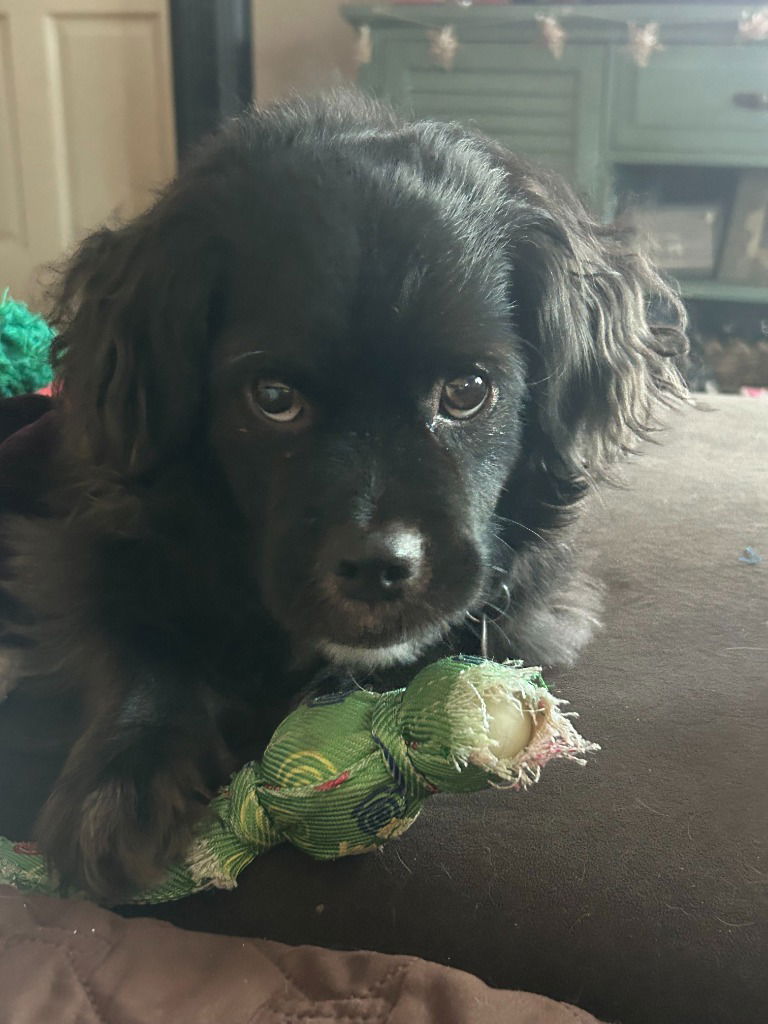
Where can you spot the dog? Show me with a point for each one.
(327, 408)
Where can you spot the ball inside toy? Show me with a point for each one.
(510, 726)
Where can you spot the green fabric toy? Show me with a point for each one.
(345, 772)
(25, 340)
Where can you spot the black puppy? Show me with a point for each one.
(328, 403)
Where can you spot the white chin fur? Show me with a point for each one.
(377, 657)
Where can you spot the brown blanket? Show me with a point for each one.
(70, 961)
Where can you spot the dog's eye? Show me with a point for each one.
(277, 401)
(462, 397)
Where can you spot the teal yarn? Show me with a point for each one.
(25, 341)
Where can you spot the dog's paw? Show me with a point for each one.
(114, 835)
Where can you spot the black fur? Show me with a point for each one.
(190, 575)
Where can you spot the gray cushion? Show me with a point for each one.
(636, 887)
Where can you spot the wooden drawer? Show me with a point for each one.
(686, 105)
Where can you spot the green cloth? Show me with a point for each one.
(344, 773)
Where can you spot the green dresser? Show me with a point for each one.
(700, 104)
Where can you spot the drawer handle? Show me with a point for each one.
(751, 100)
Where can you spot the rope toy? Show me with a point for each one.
(345, 772)
(25, 340)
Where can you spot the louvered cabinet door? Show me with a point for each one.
(548, 110)
(86, 123)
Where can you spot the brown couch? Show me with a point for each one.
(637, 887)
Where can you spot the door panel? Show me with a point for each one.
(86, 123)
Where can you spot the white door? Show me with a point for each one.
(86, 123)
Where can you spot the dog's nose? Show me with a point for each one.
(376, 565)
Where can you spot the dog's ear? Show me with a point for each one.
(134, 310)
(602, 331)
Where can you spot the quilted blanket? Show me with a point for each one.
(68, 960)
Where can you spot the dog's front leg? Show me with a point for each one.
(133, 788)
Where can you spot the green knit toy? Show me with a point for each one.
(25, 340)
(345, 772)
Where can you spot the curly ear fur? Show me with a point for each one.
(133, 310)
(603, 328)
(602, 333)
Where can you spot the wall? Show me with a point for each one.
(300, 45)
